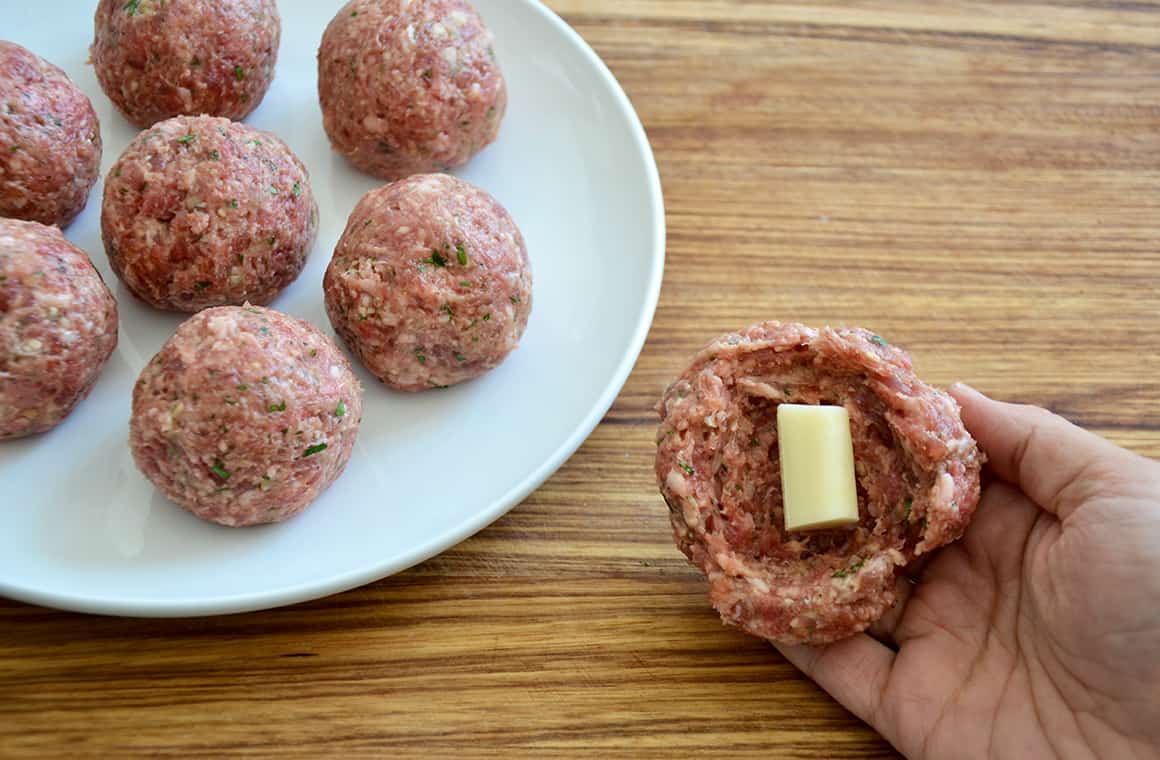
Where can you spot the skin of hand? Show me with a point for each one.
(1038, 633)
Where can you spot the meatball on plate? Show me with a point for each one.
(409, 86)
(50, 141)
(524, 284)
(430, 284)
(245, 415)
(161, 58)
(202, 211)
(58, 327)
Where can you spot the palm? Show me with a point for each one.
(986, 662)
(1037, 634)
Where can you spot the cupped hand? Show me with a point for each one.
(1038, 633)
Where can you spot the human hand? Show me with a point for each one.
(1038, 633)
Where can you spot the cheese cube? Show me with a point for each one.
(817, 466)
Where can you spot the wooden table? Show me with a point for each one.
(979, 182)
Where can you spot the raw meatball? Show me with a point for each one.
(201, 211)
(58, 327)
(160, 58)
(50, 141)
(430, 283)
(717, 463)
(409, 86)
(245, 416)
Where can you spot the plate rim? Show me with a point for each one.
(313, 590)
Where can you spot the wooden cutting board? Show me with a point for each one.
(978, 182)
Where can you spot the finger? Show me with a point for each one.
(853, 671)
(1042, 453)
(883, 628)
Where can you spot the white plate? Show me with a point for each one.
(83, 530)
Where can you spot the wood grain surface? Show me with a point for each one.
(977, 181)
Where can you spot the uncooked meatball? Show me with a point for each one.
(50, 141)
(245, 416)
(409, 86)
(717, 464)
(430, 284)
(58, 327)
(161, 58)
(201, 211)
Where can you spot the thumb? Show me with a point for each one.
(1051, 460)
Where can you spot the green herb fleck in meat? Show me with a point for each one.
(515, 299)
(272, 240)
(848, 571)
(279, 407)
(187, 139)
(462, 254)
(297, 189)
(878, 341)
(340, 410)
(312, 450)
(906, 509)
(448, 310)
(420, 356)
(233, 203)
(214, 155)
(436, 259)
(243, 387)
(239, 73)
(195, 62)
(203, 285)
(220, 470)
(753, 441)
(688, 468)
(459, 357)
(487, 317)
(464, 284)
(132, 7)
(273, 190)
(353, 14)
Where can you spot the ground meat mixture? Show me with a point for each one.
(161, 58)
(58, 327)
(430, 284)
(717, 463)
(201, 211)
(50, 141)
(245, 416)
(409, 86)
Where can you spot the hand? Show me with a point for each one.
(1037, 634)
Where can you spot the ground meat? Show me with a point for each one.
(50, 141)
(245, 416)
(201, 211)
(409, 86)
(717, 463)
(161, 58)
(58, 327)
(430, 284)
